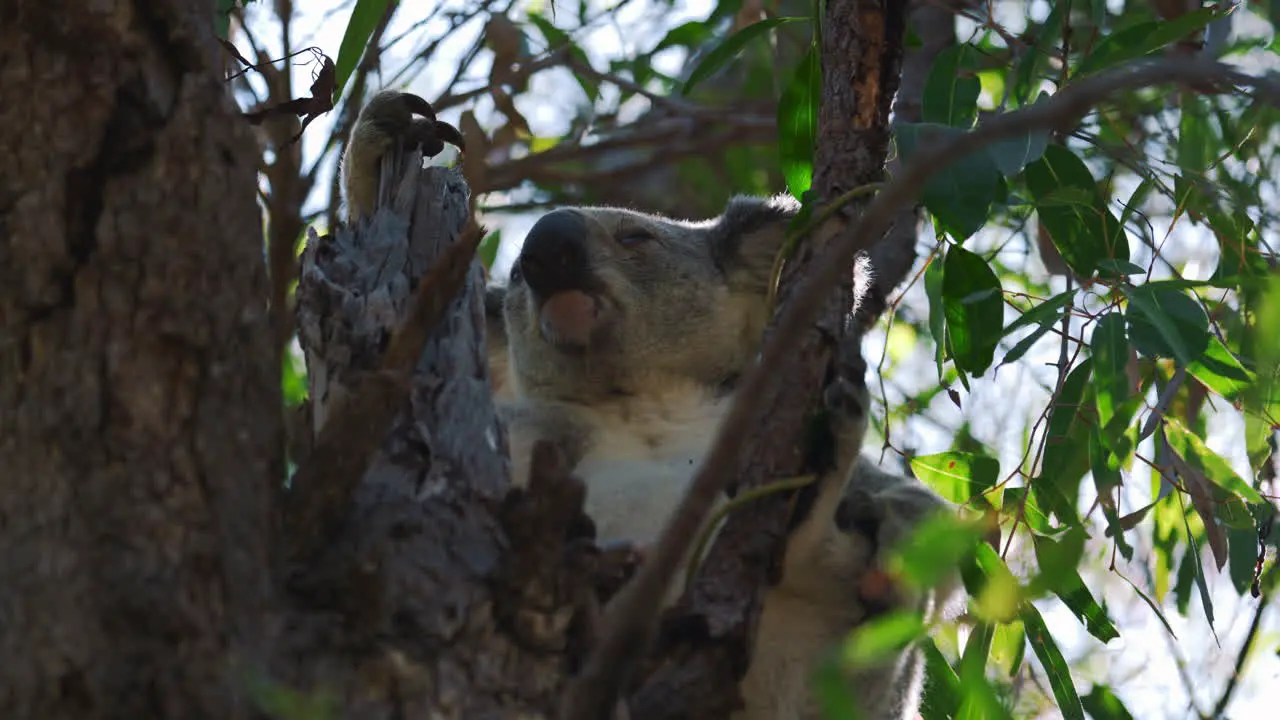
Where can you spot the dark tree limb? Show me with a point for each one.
(892, 257)
(861, 52)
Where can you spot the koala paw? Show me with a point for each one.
(859, 513)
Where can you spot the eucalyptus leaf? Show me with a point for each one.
(1055, 666)
(971, 302)
(1073, 212)
(951, 88)
(798, 122)
(365, 15)
(730, 48)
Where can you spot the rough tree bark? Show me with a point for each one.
(140, 568)
(450, 599)
(139, 429)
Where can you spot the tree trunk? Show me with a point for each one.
(140, 429)
(141, 570)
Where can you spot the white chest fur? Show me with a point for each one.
(641, 456)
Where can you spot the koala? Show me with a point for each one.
(619, 337)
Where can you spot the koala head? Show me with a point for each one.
(605, 301)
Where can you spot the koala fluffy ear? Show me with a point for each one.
(747, 238)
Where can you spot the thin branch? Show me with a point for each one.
(1221, 706)
(635, 609)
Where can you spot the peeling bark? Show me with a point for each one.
(451, 598)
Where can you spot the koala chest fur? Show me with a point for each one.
(641, 455)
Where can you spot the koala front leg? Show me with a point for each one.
(833, 577)
(387, 123)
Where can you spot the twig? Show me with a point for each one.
(1162, 403)
(630, 616)
(1241, 659)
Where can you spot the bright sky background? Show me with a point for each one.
(1142, 665)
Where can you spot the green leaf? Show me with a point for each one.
(1241, 257)
(1035, 60)
(937, 316)
(365, 15)
(971, 301)
(1058, 562)
(293, 382)
(973, 662)
(1009, 647)
(1197, 142)
(1043, 316)
(1220, 371)
(1110, 356)
(1167, 323)
(1198, 455)
(942, 691)
(960, 194)
(881, 638)
(1011, 156)
(1242, 544)
(730, 49)
(488, 249)
(835, 696)
(951, 89)
(691, 35)
(997, 593)
(798, 122)
(222, 17)
(1066, 450)
(1073, 211)
(1136, 200)
(1121, 268)
(1018, 503)
(1143, 39)
(981, 702)
(934, 549)
(1102, 704)
(1193, 560)
(957, 476)
(1055, 666)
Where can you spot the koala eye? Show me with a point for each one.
(634, 236)
(516, 274)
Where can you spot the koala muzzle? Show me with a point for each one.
(554, 265)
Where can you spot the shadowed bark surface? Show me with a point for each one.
(142, 571)
(140, 427)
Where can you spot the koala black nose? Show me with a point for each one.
(554, 256)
